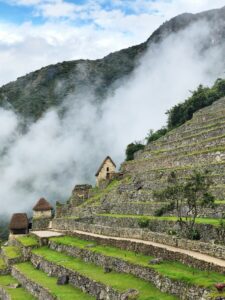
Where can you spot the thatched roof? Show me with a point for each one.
(42, 205)
(108, 157)
(19, 221)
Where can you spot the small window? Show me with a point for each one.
(107, 169)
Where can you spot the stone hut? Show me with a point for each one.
(42, 209)
(42, 215)
(105, 171)
(19, 224)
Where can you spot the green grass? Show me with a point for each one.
(28, 241)
(99, 193)
(12, 252)
(219, 201)
(173, 270)
(210, 221)
(16, 294)
(62, 292)
(118, 281)
(2, 264)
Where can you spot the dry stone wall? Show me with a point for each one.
(210, 248)
(180, 289)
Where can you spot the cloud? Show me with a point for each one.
(68, 31)
(55, 153)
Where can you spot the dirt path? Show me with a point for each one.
(197, 255)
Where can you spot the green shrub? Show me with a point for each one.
(143, 222)
(164, 209)
(194, 235)
(132, 148)
(155, 135)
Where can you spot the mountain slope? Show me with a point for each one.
(33, 94)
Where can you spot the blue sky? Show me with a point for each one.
(44, 32)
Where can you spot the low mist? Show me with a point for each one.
(58, 152)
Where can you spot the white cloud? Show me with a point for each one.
(103, 31)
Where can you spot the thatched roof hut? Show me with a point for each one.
(42, 205)
(19, 223)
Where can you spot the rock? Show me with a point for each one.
(62, 280)
(14, 285)
(130, 294)
(38, 266)
(155, 261)
(107, 269)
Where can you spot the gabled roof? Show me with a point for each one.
(19, 221)
(107, 157)
(42, 205)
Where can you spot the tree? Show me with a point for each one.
(132, 148)
(193, 194)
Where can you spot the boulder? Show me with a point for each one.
(62, 280)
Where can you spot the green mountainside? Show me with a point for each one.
(33, 94)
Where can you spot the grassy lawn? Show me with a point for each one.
(99, 193)
(2, 264)
(28, 241)
(11, 252)
(210, 221)
(16, 294)
(173, 270)
(118, 281)
(62, 292)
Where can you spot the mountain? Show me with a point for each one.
(32, 94)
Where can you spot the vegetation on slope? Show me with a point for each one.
(182, 112)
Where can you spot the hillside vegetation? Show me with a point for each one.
(182, 112)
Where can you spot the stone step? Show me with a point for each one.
(93, 278)
(11, 290)
(215, 143)
(159, 208)
(203, 159)
(189, 139)
(44, 287)
(130, 262)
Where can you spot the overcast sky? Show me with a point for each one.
(35, 33)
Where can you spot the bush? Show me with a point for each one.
(194, 235)
(164, 209)
(143, 222)
(132, 148)
(153, 136)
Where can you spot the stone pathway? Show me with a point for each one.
(46, 233)
(197, 255)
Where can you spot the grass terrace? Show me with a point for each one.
(62, 292)
(170, 269)
(2, 264)
(12, 252)
(118, 281)
(210, 221)
(15, 294)
(99, 193)
(28, 240)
